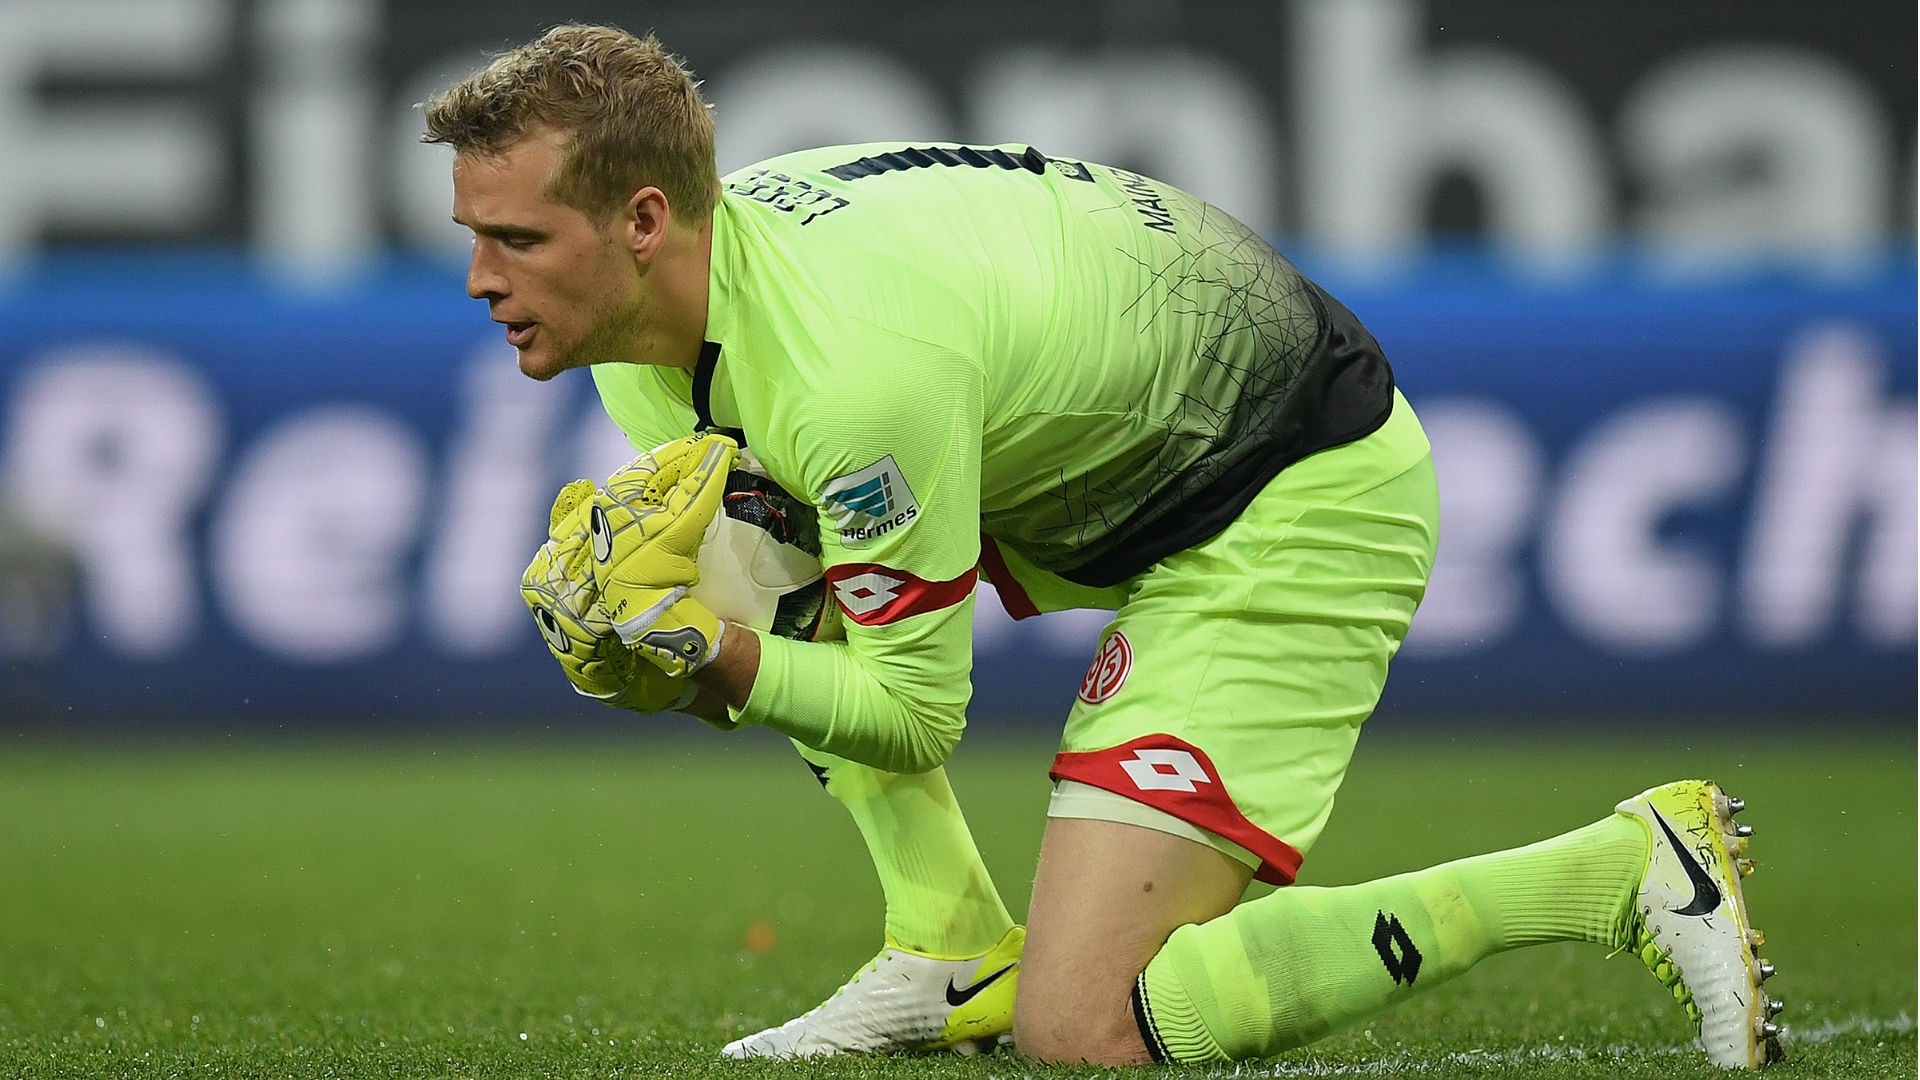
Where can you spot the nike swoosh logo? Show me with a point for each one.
(957, 997)
(1706, 895)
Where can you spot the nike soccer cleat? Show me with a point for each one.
(905, 1002)
(1689, 923)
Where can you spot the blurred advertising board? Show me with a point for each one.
(1711, 132)
(298, 508)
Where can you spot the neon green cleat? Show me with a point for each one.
(905, 1002)
(1689, 922)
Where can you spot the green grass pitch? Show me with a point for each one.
(607, 907)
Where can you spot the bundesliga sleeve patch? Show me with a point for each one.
(1177, 777)
(868, 504)
(874, 595)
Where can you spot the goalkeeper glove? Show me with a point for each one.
(558, 588)
(646, 529)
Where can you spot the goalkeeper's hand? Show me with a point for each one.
(558, 588)
(646, 529)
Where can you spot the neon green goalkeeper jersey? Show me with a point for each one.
(974, 357)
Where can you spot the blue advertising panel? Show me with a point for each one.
(310, 509)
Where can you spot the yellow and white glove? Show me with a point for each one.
(646, 529)
(559, 589)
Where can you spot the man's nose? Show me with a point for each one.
(483, 281)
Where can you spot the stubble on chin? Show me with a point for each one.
(535, 371)
(617, 337)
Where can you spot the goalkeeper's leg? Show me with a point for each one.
(1281, 971)
(1233, 983)
(945, 927)
(940, 899)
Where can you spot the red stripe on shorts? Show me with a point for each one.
(1176, 777)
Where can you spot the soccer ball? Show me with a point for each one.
(760, 560)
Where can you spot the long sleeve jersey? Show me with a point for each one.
(982, 356)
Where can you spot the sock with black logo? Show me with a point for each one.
(1281, 971)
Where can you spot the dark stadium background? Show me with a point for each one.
(1646, 270)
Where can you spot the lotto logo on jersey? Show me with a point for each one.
(874, 595)
(869, 504)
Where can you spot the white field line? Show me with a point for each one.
(1402, 1063)
(1829, 1030)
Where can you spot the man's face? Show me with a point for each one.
(565, 284)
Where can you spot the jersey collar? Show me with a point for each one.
(703, 373)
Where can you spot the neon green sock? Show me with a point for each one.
(940, 899)
(1281, 971)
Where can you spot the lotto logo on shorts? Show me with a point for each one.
(1165, 770)
(1109, 670)
(1178, 778)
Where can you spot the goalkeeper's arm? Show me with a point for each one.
(707, 704)
(898, 704)
(729, 679)
(894, 695)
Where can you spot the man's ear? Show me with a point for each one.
(645, 221)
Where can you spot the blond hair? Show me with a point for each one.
(631, 114)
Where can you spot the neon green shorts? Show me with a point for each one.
(1228, 692)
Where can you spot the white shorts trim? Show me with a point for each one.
(1073, 799)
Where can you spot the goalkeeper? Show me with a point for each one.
(1099, 392)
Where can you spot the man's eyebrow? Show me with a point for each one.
(502, 232)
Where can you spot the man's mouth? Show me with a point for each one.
(520, 333)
